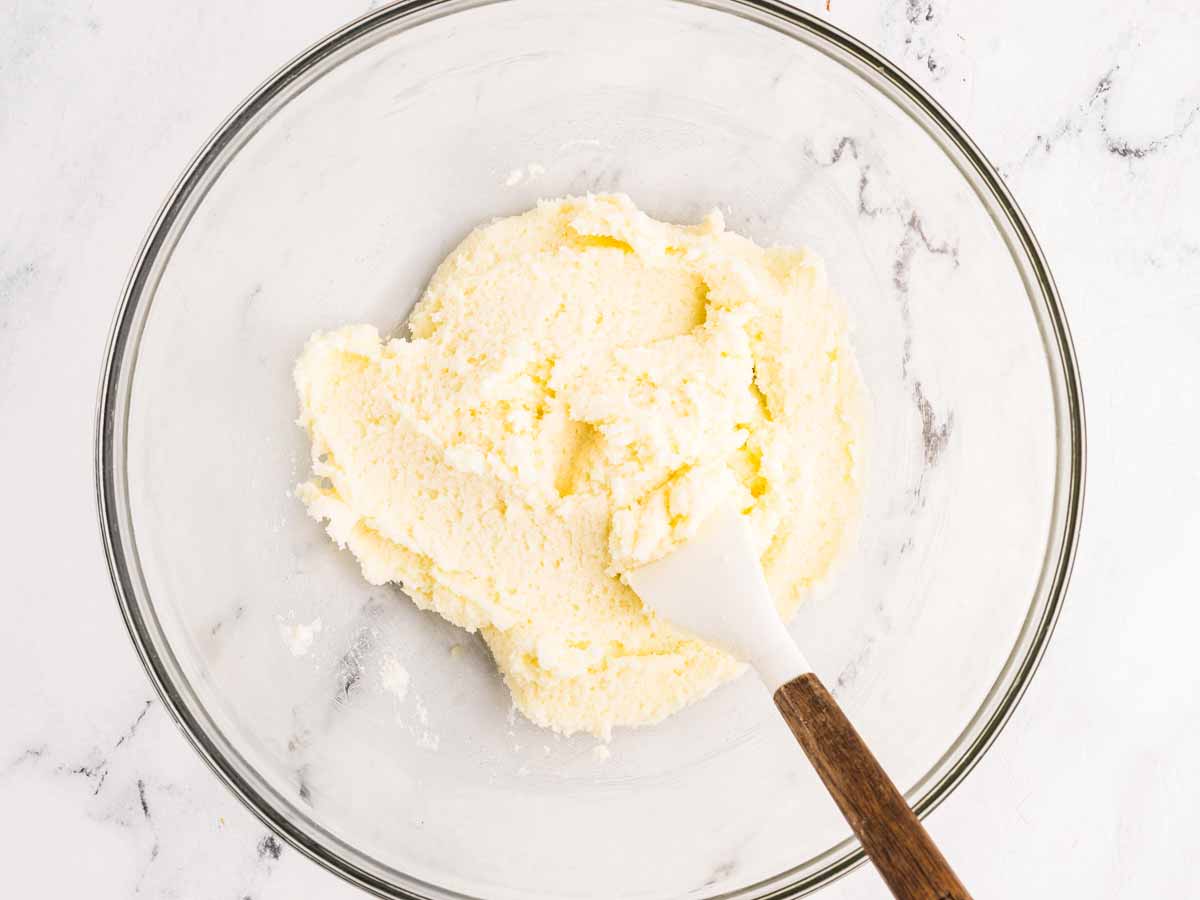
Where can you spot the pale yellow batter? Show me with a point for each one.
(582, 386)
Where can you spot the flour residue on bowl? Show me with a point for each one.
(394, 677)
(299, 637)
(516, 176)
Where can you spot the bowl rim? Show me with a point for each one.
(997, 707)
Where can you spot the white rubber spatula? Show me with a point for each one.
(713, 588)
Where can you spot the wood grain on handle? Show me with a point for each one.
(890, 832)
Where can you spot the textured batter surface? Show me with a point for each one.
(583, 385)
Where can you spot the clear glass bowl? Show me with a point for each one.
(329, 196)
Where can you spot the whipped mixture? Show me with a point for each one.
(582, 387)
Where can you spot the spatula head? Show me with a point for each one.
(713, 588)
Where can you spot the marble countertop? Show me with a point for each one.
(1090, 110)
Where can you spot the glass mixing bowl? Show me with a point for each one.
(335, 709)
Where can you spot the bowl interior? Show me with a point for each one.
(331, 203)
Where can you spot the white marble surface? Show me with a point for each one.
(1091, 112)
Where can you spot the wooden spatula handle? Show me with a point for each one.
(890, 832)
